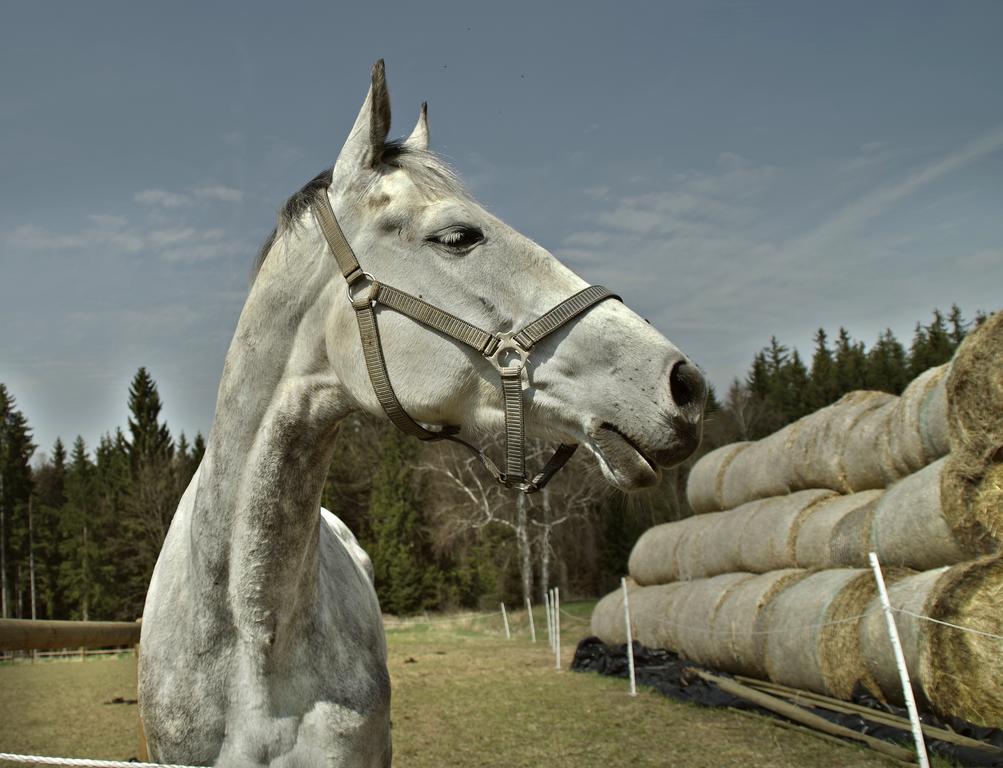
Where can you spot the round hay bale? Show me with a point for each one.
(689, 626)
(933, 419)
(649, 607)
(841, 658)
(909, 594)
(851, 537)
(973, 502)
(909, 528)
(805, 454)
(607, 617)
(975, 392)
(818, 455)
(866, 460)
(766, 540)
(653, 558)
(813, 631)
(905, 425)
(674, 551)
(696, 551)
(703, 487)
(959, 673)
(734, 644)
(756, 537)
(652, 617)
(812, 548)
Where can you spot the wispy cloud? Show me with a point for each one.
(180, 243)
(162, 198)
(851, 218)
(219, 192)
(101, 231)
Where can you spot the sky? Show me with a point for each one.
(733, 170)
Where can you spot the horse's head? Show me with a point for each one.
(608, 380)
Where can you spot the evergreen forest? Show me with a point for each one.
(81, 525)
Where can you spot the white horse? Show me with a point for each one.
(262, 641)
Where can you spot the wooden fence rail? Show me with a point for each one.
(28, 635)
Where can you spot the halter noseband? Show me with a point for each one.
(508, 352)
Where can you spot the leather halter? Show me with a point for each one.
(508, 352)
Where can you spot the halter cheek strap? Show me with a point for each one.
(507, 352)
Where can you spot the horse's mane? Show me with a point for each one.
(429, 171)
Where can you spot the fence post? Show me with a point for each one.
(557, 628)
(550, 620)
(532, 622)
(630, 638)
(893, 635)
(508, 635)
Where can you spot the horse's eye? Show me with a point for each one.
(458, 239)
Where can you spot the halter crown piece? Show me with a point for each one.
(508, 352)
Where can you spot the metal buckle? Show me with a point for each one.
(363, 280)
(502, 355)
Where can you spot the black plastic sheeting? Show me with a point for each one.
(674, 677)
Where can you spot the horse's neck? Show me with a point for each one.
(255, 519)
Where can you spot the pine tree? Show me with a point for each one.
(79, 549)
(851, 364)
(939, 340)
(959, 328)
(122, 571)
(759, 381)
(50, 499)
(931, 346)
(795, 388)
(153, 492)
(822, 385)
(149, 439)
(407, 579)
(887, 365)
(16, 449)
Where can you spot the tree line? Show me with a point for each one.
(80, 530)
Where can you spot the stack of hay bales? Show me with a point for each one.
(770, 579)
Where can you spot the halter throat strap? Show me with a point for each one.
(508, 353)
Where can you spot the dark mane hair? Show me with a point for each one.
(429, 171)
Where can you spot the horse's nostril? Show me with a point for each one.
(686, 384)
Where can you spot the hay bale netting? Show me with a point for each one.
(813, 546)
(805, 454)
(735, 642)
(687, 624)
(653, 559)
(958, 673)
(900, 437)
(648, 608)
(906, 525)
(974, 483)
(767, 541)
(864, 441)
(813, 641)
(755, 538)
(703, 486)
(909, 527)
(921, 523)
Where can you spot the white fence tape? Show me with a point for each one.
(80, 762)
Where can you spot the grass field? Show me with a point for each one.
(463, 696)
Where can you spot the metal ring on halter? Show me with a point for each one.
(507, 345)
(365, 280)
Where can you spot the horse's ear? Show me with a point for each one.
(365, 143)
(419, 136)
